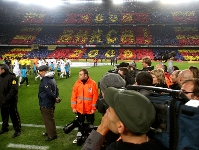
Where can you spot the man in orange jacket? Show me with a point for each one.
(84, 98)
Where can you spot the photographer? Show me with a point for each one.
(109, 80)
(168, 57)
(130, 115)
(115, 70)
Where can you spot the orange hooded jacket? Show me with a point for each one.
(84, 96)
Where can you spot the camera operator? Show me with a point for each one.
(109, 80)
(115, 70)
(130, 115)
(168, 57)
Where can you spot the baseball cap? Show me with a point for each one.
(133, 109)
(43, 68)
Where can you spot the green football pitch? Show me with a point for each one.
(32, 124)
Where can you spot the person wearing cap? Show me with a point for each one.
(84, 98)
(131, 115)
(109, 80)
(8, 100)
(48, 95)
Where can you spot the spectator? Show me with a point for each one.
(130, 114)
(166, 74)
(144, 78)
(190, 88)
(175, 68)
(195, 71)
(184, 75)
(174, 77)
(158, 78)
(146, 64)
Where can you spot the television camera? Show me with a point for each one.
(83, 130)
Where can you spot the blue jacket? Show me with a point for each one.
(23, 73)
(48, 91)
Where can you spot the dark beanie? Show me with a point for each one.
(43, 68)
(111, 80)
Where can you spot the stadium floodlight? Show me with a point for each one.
(145, 0)
(174, 1)
(83, 1)
(46, 3)
(118, 1)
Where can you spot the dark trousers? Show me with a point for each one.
(49, 121)
(95, 64)
(89, 118)
(24, 79)
(14, 116)
(67, 74)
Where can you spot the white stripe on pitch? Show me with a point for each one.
(39, 126)
(22, 146)
(36, 126)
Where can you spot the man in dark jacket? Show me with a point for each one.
(8, 100)
(131, 115)
(48, 95)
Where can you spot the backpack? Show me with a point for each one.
(176, 124)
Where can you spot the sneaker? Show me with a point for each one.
(28, 85)
(75, 141)
(35, 79)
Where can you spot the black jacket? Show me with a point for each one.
(151, 145)
(8, 89)
(48, 92)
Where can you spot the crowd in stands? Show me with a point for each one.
(105, 53)
(136, 13)
(128, 24)
(164, 36)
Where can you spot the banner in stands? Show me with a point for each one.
(52, 47)
(34, 46)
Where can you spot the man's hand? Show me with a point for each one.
(93, 111)
(74, 110)
(103, 127)
(58, 100)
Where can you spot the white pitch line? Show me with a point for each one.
(39, 126)
(22, 146)
(36, 126)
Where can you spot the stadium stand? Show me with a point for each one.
(132, 30)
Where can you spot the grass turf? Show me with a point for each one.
(30, 114)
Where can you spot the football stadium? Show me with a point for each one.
(97, 35)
